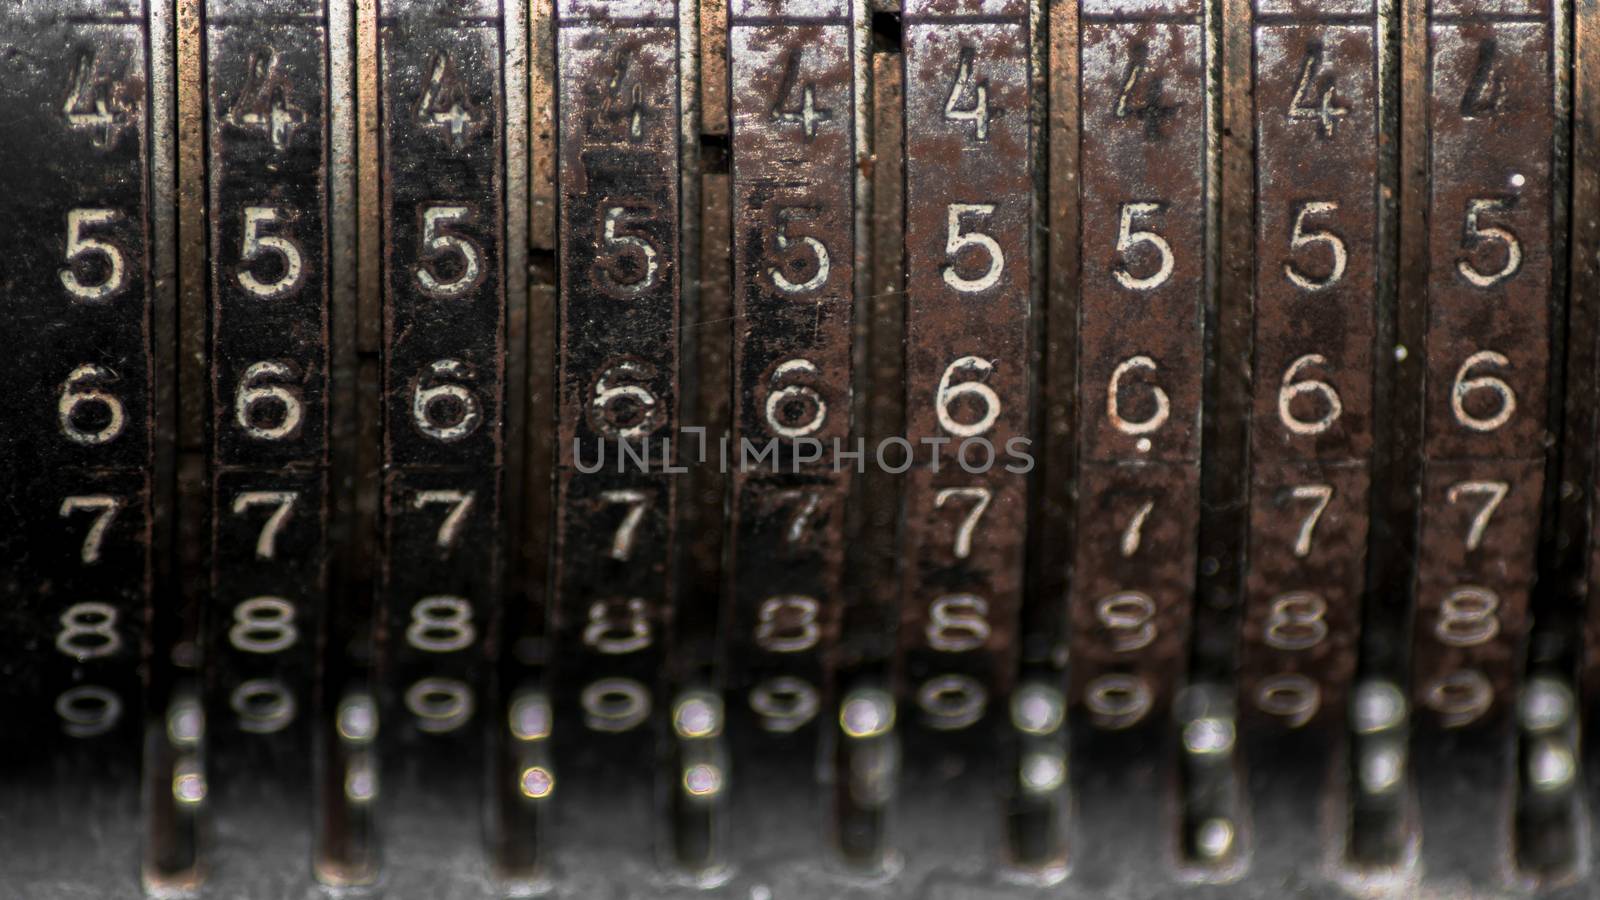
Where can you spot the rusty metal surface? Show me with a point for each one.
(866, 634)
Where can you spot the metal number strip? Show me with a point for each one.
(794, 246)
(443, 384)
(619, 247)
(968, 248)
(968, 214)
(1487, 330)
(1487, 347)
(1142, 153)
(78, 439)
(1318, 123)
(267, 195)
(1316, 305)
(1141, 171)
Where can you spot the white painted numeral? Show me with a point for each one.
(88, 631)
(952, 702)
(1147, 425)
(782, 399)
(957, 240)
(805, 113)
(1461, 697)
(441, 705)
(1129, 618)
(1133, 535)
(264, 705)
(604, 413)
(437, 242)
(88, 710)
(94, 105)
(1319, 495)
(612, 634)
(426, 403)
(460, 503)
(267, 540)
(622, 538)
(1297, 621)
(76, 392)
(1469, 616)
(1492, 491)
(788, 624)
(979, 497)
(256, 395)
(1118, 700)
(958, 623)
(441, 624)
(107, 506)
(964, 86)
(1476, 234)
(621, 243)
(784, 703)
(1303, 237)
(264, 625)
(805, 506)
(1289, 389)
(1292, 697)
(81, 246)
(818, 251)
(946, 396)
(258, 245)
(1315, 103)
(1128, 238)
(615, 705)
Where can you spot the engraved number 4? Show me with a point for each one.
(1315, 100)
(803, 112)
(968, 100)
